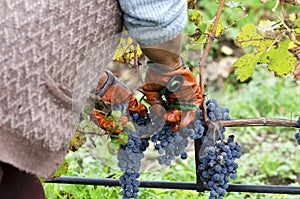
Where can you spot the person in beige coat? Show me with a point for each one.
(43, 45)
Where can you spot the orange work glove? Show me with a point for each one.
(180, 89)
(112, 91)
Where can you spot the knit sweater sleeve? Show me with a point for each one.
(154, 21)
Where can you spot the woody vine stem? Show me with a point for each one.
(263, 121)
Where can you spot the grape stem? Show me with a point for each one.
(212, 36)
(262, 121)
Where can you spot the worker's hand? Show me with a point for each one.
(109, 92)
(182, 93)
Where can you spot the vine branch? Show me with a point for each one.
(282, 9)
(212, 36)
(262, 121)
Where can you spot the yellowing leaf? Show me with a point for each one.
(125, 51)
(77, 141)
(246, 65)
(279, 59)
(249, 36)
(196, 17)
(220, 27)
(291, 45)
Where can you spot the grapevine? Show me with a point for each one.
(173, 144)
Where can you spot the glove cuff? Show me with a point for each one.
(164, 69)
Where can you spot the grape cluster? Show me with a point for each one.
(130, 185)
(129, 160)
(217, 163)
(217, 166)
(171, 144)
(215, 112)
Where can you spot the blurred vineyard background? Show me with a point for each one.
(270, 155)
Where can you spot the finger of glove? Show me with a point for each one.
(117, 94)
(100, 119)
(175, 127)
(173, 115)
(179, 118)
(187, 117)
(136, 107)
(154, 83)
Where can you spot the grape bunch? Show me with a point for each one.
(171, 144)
(217, 166)
(217, 163)
(215, 112)
(130, 185)
(129, 160)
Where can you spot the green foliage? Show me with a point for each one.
(270, 48)
(279, 59)
(264, 95)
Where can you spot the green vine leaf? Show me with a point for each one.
(246, 65)
(113, 146)
(249, 36)
(123, 138)
(279, 59)
(270, 48)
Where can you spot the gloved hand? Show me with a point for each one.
(183, 95)
(181, 92)
(110, 91)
